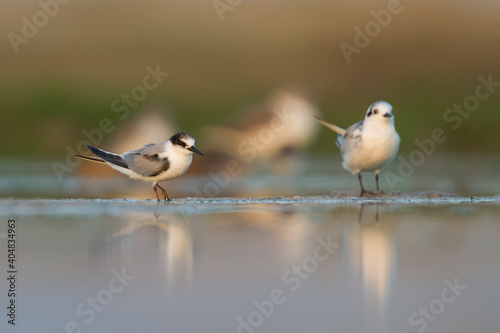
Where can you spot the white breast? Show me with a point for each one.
(178, 166)
(377, 149)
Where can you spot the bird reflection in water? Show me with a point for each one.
(374, 261)
(360, 216)
(174, 246)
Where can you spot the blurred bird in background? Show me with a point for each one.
(274, 132)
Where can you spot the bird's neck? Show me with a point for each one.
(175, 153)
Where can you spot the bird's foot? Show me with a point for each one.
(165, 195)
(367, 192)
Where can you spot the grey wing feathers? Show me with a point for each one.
(145, 161)
(109, 157)
(352, 136)
(354, 130)
(340, 139)
(149, 149)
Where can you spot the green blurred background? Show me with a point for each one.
(65, 78)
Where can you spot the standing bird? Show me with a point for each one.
(154, 162)
(370, 144)
(149, 124)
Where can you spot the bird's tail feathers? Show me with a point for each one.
(91, 158)
(109, 157)
(333, 127)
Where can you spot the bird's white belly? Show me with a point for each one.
(177, 168)
(373, 153)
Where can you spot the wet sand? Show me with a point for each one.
(191, 205)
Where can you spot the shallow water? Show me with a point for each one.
(400, 262)
(288, 267)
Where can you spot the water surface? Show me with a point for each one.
(257, 268)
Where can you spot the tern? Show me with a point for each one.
(154, 162)
(370, 144)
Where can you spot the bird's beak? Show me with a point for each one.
(388, 115)
(194, 150)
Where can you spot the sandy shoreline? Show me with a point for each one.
(190, 205)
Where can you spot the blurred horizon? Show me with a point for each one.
(65, 79)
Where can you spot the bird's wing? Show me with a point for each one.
(333, 127)
(108, 157)
(352, 136)
(146, 160)
(354, 131)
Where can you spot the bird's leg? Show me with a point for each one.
(376, 180)
(165, 195)
(361, 183)
(156, 191)
(360, 216)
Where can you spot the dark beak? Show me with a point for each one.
(194, 150)
(388, 115)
